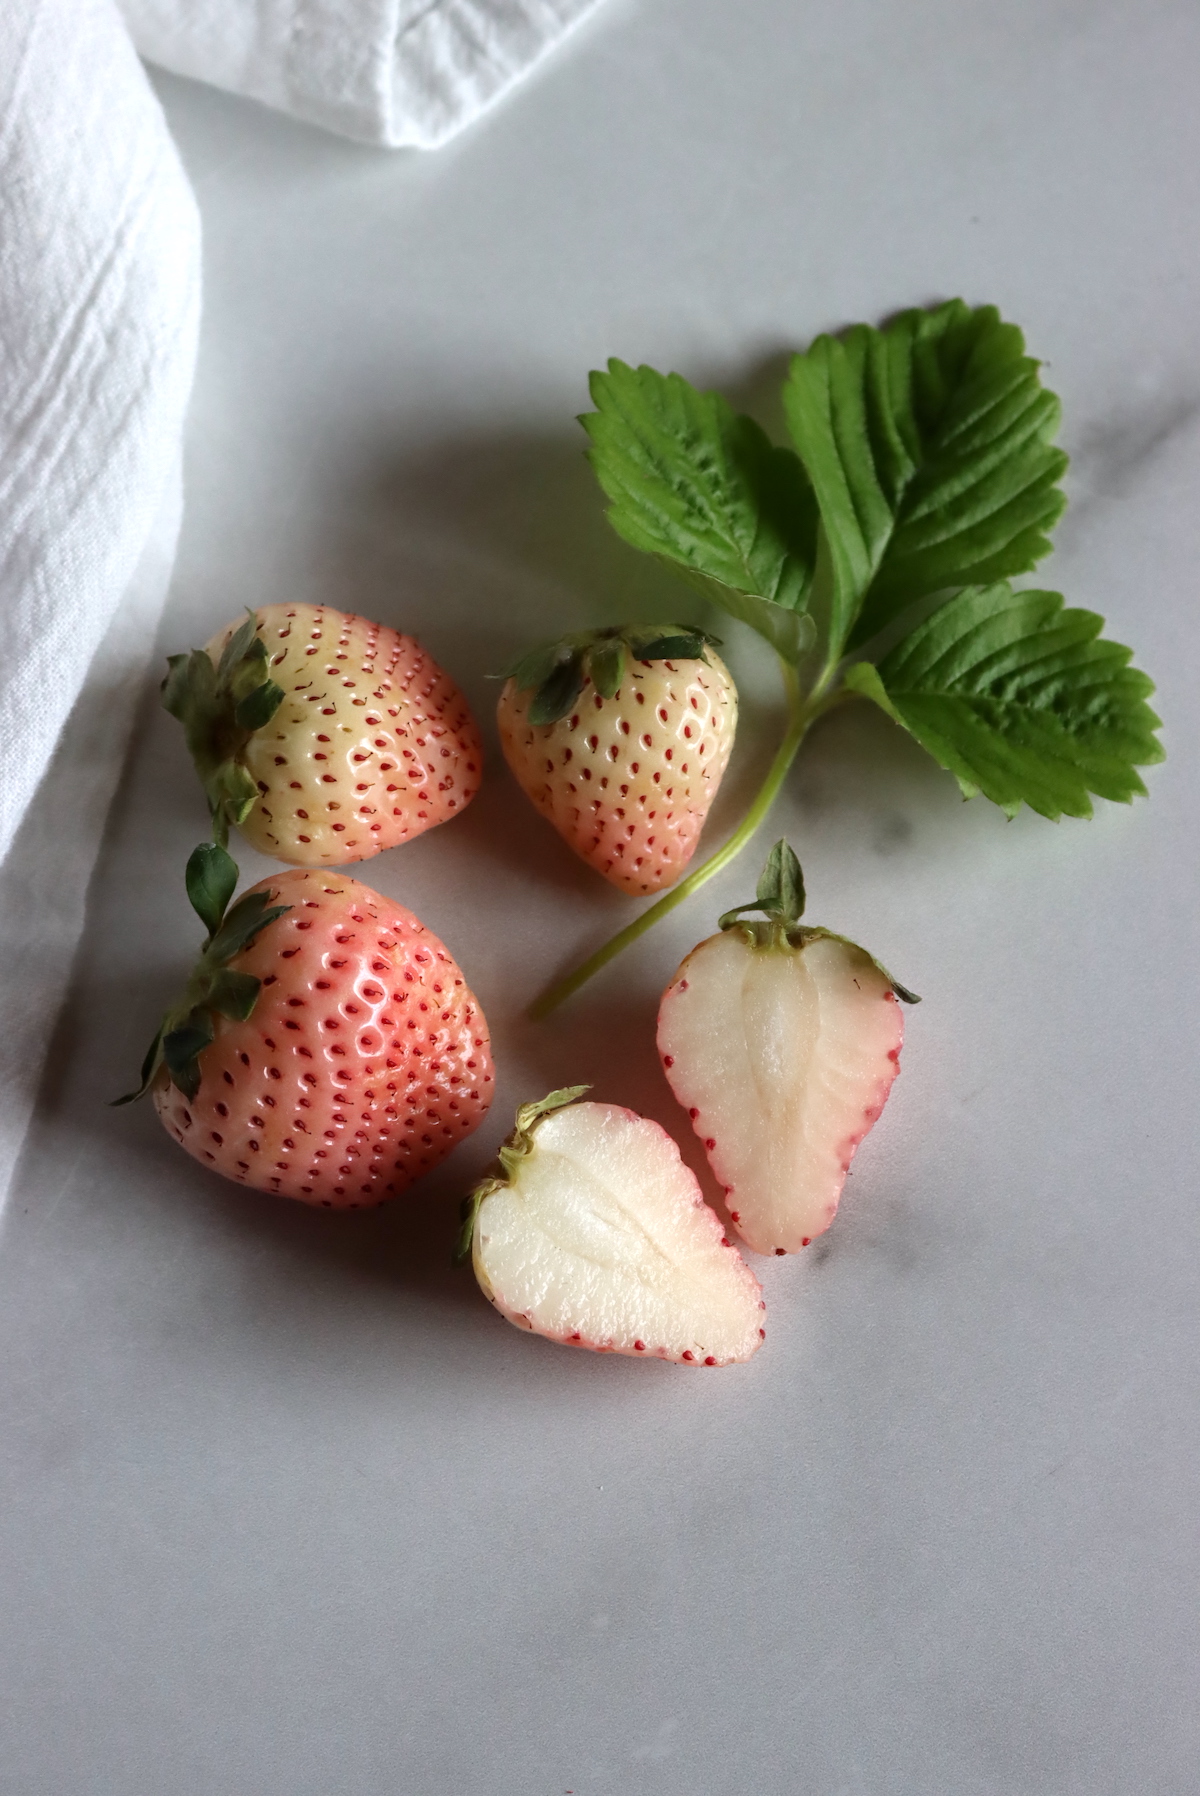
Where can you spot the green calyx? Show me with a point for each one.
(220, 708)
(517, 1148)
(780, 897)
(214, 988)
(557, 672)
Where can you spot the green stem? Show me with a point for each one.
(802, 713)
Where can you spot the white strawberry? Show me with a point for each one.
(596, 1235)
(324, 737)
(782, 1043)
(620, 738)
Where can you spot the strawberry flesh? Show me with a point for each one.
(783, 1056)
(602, 1239)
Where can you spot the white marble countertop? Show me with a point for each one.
(288, 1509)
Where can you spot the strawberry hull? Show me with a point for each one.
(783, 1057)
(365, 1061)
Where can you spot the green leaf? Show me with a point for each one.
(211, 880)
(1021, 700)
(703, 488)
(234, 994)
(929, 447)
(258, 707)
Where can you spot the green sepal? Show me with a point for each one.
(148, 1074)
(558, 671)
(514, 1150)
(534, 666)
(240, 645)
(234, 994)
(214, 987)
(248, 916)
(211, 880)
(606, 666)
(558, 693)
(780, 894)
(780, 897)
(182, 1048)
(258, 707)
(220, 709)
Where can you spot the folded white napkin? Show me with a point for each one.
(99, 303)
(399, 72)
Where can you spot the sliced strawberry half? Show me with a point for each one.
(596, 1235)
(782, 1043)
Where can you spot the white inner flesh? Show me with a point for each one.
(603, 1234)
(785, 1055)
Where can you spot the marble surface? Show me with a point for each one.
(288, 1509)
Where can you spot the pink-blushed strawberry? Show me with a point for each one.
(323, 736)
(327, 1047)
(620, 737)
(596, 1235)
(782, 1043)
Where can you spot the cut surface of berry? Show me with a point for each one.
(783, 1057)
(599, 1237)
(627, 778)
(364, 1061)
(370, 745)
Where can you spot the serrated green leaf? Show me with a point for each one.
(211, 880)
(1021, 700)
(693, 482)
(929, 447)
(234, 994)
(258, 707)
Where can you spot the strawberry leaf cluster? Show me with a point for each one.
(875, 554)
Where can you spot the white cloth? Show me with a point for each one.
(398, 72)
(99, 305)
